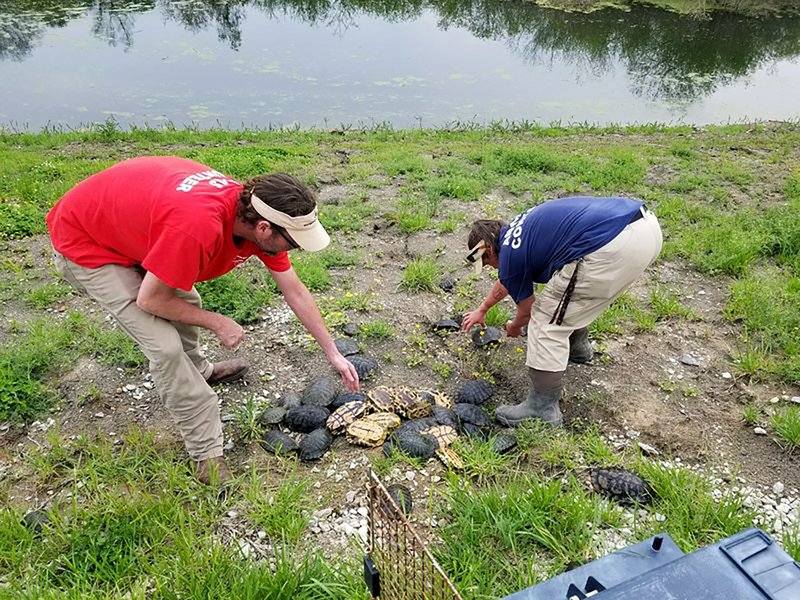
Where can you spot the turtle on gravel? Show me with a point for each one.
(445, 416)
(408, 404)
(474, 432)
(469, 413)
(401, 496)
(347, 346)
(351, 329)
(314, 445)
(413, 444)
(446, 325)
(272, 416)
(387, 420)
(364, 366)
(344, 415)
(306, 418)
(449, 458)
(345, 397)
(366, 433)
(484, 337)
(320, 391)
(447, 283)
(435, 398)
(443, 434)
(381, 398)
(290, 400)
(277, 442)
(504, 443)
(621, 485)
(476, 391)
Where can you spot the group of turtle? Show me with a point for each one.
(420, 423)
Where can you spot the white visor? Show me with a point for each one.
(475, 257)
(305, 230)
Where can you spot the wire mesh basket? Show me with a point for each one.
(398, 565)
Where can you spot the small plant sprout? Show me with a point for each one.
(420, 275)
(246, 417)
(751, 414)
(786, 422)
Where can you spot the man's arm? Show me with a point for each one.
(497, 293)
(159, 299)
(302, 304)
(520, 320)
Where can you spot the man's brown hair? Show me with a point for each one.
(487, 230)
(282, 192)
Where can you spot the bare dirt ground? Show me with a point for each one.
(697, 418)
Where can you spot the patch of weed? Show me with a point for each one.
(377, 330)
(786, 423)
(239, 295)
(497, 316)
(751, 414)
(421, 274)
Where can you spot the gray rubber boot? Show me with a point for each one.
(580, 350)
(540, 404)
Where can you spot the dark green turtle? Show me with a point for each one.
(365, 367)
(475, 391)
(306, 418)
(474, 432)
(273, 415)
(483, 337)
(446, 325)
(351, 329)
(410, 443)
(345, 397)
(401, 496)
(346, 346)
(314, 445)
(277, 442)
(320, 391)
(36, 521)
(445, 416)
(447, 283)
(290, 400)
(469, 413)
(504, 443)
(621, 485)
(417, 425)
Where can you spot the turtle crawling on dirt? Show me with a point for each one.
(410, 443)
(277, 442)
(381, 398)
(314, 445)
(272, 416)
(504, 443)
(344, 415)
(407, 403)
(401, 496)
(320, 391)
(366, 433)
(345, 397)
(435, 398)
(306, 418)
(346, 346)
(387, 420)
(290, 400)
(621, 485)
(484, 337)
(476, 391)
(364, 366)
(446, 325)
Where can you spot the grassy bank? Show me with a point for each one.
(687, 7)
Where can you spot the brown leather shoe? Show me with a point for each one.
(227, 371)
(212, 471)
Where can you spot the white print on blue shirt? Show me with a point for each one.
(214, 179)
(515, 231)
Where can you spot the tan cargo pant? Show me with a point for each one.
(177, 364)
(602, 277)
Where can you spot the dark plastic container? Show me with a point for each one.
(745, 566)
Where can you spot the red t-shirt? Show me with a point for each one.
(172, 216)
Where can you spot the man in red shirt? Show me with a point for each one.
(137, 236)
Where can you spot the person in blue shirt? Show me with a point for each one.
(586, 251)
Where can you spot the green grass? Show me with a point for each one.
(240, 294)
(421, 274)
(751, 414)
(377, 330)
(498, 315)
(786, 422)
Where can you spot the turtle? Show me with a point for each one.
(469, 413)
(364, 366)
(484, 337)
(449, 458)
(290, 400)
(446, 326)
(366, 433)
(36, 521)
(381, 398)
(344, 415)
(475, 391)
(320, 391)
(417, 425)
(621, 485)
(474, 432)
(445, 416)
(346, 346)
(345, 397)
(306, 418)
(401, 496)
(277, 442)
(447, 283)
(435, 398)
(386, 419)
(443, 434)
(408, 404)
(272, 416)
(411, 443)
(504, 443)
(314, 445)
(351, 329)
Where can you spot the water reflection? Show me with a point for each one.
(668, 57)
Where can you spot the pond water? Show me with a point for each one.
(325, 64)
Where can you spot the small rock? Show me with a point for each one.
(261, 534)
(322, 514)
(726, 375)
(233, 514)
(759, 431)
(689, 360)
(660, 518)
(410, 475)
(774, 400)
(778, 488)
(350, 497)
(795, 399)
(227, 418)
(648, 450)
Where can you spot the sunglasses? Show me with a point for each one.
(282, 232)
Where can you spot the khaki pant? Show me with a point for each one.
(603, 276)
(177, 364)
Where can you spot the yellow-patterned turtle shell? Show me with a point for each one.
(409, 404)
(443, 434)
(449, 458)
(366, 433)
(382, 398)
(344, 415)
(436, 398)
(386, 419)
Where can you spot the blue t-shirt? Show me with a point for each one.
(543, 239)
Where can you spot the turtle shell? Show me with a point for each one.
(504, 443)
(344, 415)
(449, 458)
(36, 521)
(320, 391)
(290, 400)
(621, 485)
(435, 398)
(447, 283)
(277, 442)
(477, 391)
(401, 496)
(389, 421)
(483, 337)
(346, 397)
(446, 325)
(417, 425)
(469, 413)
(351, 329)
(365, 367)
(382, 398)
(366, 433)
(474, 432)
(408, 404)
(443, 434)
(411, 443)
(306, 418)
(346, 346)
(445, 416)
(272, 416)
(314, 445)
